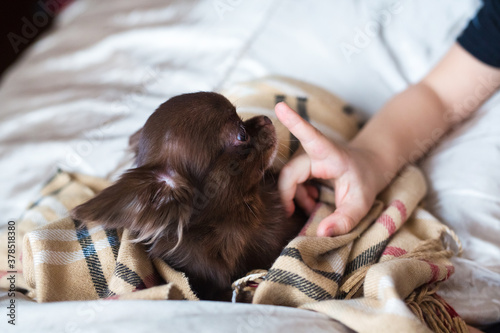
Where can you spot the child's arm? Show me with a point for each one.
(401, 132)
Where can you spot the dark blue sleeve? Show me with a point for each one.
(481, 37)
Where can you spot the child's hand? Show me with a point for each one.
(353, 173)
(359, 170)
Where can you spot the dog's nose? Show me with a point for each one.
(267, 121)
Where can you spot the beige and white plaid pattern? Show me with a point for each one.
(370, 279)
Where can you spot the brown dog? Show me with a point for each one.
(200, 197)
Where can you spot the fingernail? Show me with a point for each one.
(326, 232)
(329, 232)
(332, 231)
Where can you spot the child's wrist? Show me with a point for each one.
(379, 162)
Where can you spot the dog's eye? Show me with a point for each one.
(242, 134)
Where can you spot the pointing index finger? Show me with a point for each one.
(314, 143)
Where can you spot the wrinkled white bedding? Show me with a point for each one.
(78, 93)
(168, 316)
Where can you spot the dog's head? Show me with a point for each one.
(194, 157)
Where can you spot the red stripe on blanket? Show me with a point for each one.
(449, 270)
(388, 223)
(434, 272)
(401, 207)
(451, 311)
(394, 251)
(111, 298)
(152, 280)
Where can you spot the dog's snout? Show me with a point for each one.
(263, 121)
(267, 121)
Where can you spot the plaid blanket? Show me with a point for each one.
(362, 279)
(382, 276)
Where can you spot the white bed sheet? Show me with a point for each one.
(77, 94)
(171, 316)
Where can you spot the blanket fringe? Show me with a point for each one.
(244, 288)
(424, 302)
(432, 310)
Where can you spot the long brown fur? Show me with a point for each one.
(201, 196)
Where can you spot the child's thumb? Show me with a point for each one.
(345, 218)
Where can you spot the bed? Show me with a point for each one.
(76, 96)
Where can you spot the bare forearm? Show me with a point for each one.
(408, 126)
(404, 129)
(413, 121)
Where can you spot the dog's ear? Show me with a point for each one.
(133, 142)
(145, 200)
